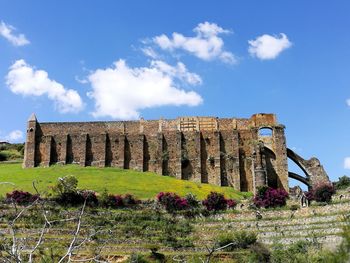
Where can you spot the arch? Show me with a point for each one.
(299, 162)
(270, 159)
(299, 178)
(265, 131)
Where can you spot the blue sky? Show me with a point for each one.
(62, 60)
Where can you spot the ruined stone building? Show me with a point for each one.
(237, 152)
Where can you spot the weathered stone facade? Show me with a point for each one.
(242, 153)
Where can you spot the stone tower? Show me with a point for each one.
(30, 146)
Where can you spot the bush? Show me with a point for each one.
(172, 202)
(268, 197)
(240, 239)
(3, 156)
(129, 200)
(21, 197)
(309, 196)
(192, 200)
(343, 182)
(323, 192)
(117, 201)
(67, 193)
(215, 202)
(231, 203)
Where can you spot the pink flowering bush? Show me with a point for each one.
(172, 202)
(21, 197)
(215, 202)
(269, 197)
(323, 192)
(231, 203)
(118, 201)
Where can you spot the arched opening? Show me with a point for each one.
(270, 164)
(297, 172)
(265, 132)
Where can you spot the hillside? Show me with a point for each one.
(143, 185)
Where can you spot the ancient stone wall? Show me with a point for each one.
(225, 152)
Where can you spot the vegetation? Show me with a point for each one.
(343, 182)
(217, 201)
(10, 152)
(322, 192)
(268, 197)
(117, 181)
(239, 240)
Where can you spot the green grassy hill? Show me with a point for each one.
(117, 181)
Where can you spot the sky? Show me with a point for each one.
(123, 60)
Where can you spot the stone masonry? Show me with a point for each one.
(237, 152)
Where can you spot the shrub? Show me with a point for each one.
(259, 253)
(77, 198)
(231, 203)
(117, 201)
(172, 202)
(239, 239)
(343, 182)
(21, 197)
(67, 193)
(192, 200)
(129, 199)
(67, 184)
(309, 196)
(323, 192)
(215, 202)
(3, 156)
(268, 197)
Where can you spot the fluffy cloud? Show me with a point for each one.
(121, 92)
(13, 136)
(25, 80)
(348, 102)
(268, 47)
(347, 163)
(206, 44)
(7, 32)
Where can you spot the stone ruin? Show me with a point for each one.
(236, 152)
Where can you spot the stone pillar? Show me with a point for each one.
(178, 165)
(281, 157)
(83, 145)
(30, 145)
(63, 153)
(46, 159)
(259, 170)
(197, 171)
(140, 153)
(236, 175)
(217, 162)
(161, 153)
(98, 142)
(121, 151)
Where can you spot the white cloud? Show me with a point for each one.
(347, 163)
(206, 45)
(150, 52)
(268, 47)
(348, 102)
(25, 80)
(180, 72)
(7, 32)
(121, 92)
(13, 136)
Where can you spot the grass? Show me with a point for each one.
(143, 185)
